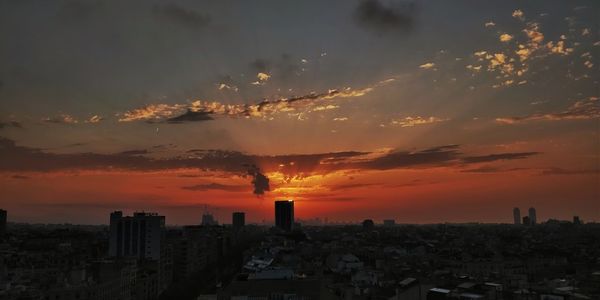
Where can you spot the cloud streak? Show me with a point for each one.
(26, 159)
(581, 110)
(207, 110)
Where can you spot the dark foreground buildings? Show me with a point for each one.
(138, 258)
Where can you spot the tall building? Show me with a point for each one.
(141, 235)
(208, 219)
(532, 216)
(2, 222)
(238, 219)
(284, 214)
(517, 215)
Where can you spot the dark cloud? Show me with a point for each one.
(415, 182)
(329, 198)
(284, 67)
(13, 124)
(483, 169)
(134, 152)
(260, 65)
(350, 186)
(259, 180)
(17, 176)
(216, 186)
(191, 116)
(561, 171)
(499, 156)
(397, 15)
(397, 159)
(25, 159)
(185, 17)
(586, 109)
(491, 169)
(189, 176)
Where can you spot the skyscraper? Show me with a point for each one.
(208, 219)
(140, 235)
(284, 214)
(238, 219)
(532, 216)
(517, 215)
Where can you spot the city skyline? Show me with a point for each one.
(418, 111)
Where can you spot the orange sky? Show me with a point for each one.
(444, 112)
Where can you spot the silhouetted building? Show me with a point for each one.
(284, 214)
(208, 219)
(576, 220)
(368, 224)
(3, 215)
(238, 220)
(140, 235)
(526, 221)
(517, 215)
(532, 216)
(389, 222)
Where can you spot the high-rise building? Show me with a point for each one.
(532, 216)
(141, 235)
(284, 214)
(208, 219)
(2, 222)
(577, 220)
(517, 215)
(238, 219)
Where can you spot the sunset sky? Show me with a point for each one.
(420, 111)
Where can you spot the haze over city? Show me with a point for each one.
(418, 111)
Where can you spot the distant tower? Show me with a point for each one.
(207, 218)
(577, 220)
(2, 222)
(141, 235)
(238, 220)
(284, 214)
(532, 216)
(517, 215)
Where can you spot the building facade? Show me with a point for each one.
(140, 235)
(284, 214)
(238, 220)
(517, 216)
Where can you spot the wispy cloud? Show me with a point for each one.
(216, 186)
(415, 121)
(61, 119)
(427, 66)
(151, 112)
(581, 110)
(506, 37)
(205, 110)
(9, 124)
